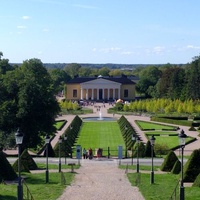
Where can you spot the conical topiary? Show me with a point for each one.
(192, 166)
(176, 168)
(197, 181)
(6, 171)
(169, 162)
(27, 162)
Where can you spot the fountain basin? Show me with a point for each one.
(99, 119)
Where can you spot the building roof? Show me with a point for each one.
(119, 79)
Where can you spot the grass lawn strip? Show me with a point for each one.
(100, 135)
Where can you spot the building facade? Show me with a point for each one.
(100, 88)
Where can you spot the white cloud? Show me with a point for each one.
(192, 47)
(45, 30)
(108, 50)
(21, 27)
(158, 50)
(25, 17)
(127, 53)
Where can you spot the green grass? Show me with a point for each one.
(100, 135)
(141, 167)
(149, 125)
(59, 124)
(162, 133)
(39, 189)
(163, 186)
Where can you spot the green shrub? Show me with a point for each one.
(192, 128)
(176, 168)
(141, 150)
(197, 181)
(192, 166)
(6, 171)
(148, 149)
(51, 152)
(169, 162)
(27, 162)
(161, 149)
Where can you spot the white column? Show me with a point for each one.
(81, 93)
(92, 94)
(86, 94)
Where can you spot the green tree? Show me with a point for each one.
(30, 102)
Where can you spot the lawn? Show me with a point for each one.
(149, 125)
(36, 184)
(163, 186)
(100, 134)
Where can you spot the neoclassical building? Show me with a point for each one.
(100, 88)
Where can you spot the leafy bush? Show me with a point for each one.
(161, 149)
(27, 162)
(197, 181)
(176, 168)
(192, 128)
(192, 166)
(6, 170)
(169, 162)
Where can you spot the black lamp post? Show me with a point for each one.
(19, 139)
(47, 140)
(60, 141)
(65, 139)
(152, 140)
(182, 137)
(138, 166)
(133, 139)
(126, 128)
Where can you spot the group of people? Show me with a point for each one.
(87, 154)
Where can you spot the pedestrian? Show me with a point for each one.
(84, 154)
(90, 153)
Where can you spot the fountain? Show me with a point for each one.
(100, 115)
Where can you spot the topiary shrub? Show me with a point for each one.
(192, 128)
(192, 166)
(169, 162)
(197, 181)
(176, 168)
(161, 149)
(141, 150)
(27, 162)
(6, 171)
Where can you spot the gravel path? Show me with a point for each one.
(100, 180)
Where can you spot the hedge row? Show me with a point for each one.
(72, 131)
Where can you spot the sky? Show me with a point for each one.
(100, 31)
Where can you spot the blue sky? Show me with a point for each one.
(100, 31)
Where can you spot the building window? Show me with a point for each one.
(74, 93)
(125, 93)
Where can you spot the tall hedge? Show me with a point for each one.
(176, 168)
(192, 166)
(6, 171)
(169, 162)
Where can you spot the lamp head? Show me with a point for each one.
(47, 139)
(19, 136)
(152, 140)
(182, 136)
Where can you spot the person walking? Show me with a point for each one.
(84, 154)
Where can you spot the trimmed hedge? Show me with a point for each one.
(176, 168)
(27, 162)
(7, 173)
(197, 181)
(192, 167)
(169, 162)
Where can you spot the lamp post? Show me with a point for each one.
(47, 140)
(138, 167)
(133, 139)
(152, 140)
(19, 139)
(182, 137)
(65, 139)
(126, 128)
(60, 141)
